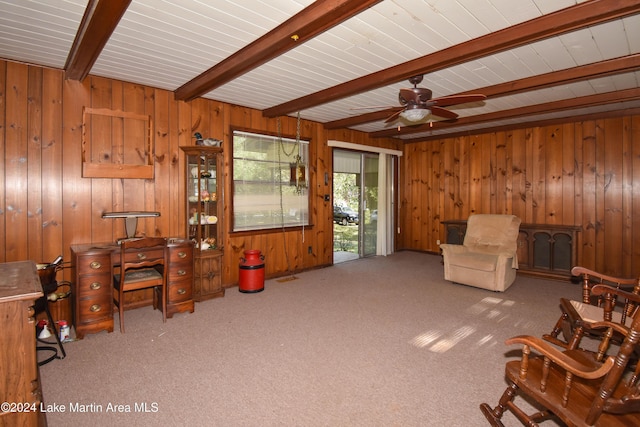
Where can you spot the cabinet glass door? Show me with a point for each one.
(203, 200)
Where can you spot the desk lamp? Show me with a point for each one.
(131, 220)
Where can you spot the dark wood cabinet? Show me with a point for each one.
(208, 280)
(204, 207)
(546, 250)
(20, 383)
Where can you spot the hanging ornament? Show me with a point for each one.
(298, 176)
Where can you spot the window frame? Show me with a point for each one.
(306, 163)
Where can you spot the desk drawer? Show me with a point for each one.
(144, 255)
(183, 253)
(182, 271)
(95, 308)
(94, 286)
(94, 263)
(180, 290)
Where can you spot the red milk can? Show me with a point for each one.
(251, 272)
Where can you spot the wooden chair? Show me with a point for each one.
(572, 385)
(577, 316)
(142, 266)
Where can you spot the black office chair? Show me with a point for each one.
(47, 274)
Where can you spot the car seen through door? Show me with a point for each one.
(344, 215)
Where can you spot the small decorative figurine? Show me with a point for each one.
(207, 142)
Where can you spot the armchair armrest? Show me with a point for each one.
(451, 248)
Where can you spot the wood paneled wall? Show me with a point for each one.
(48, 205)
(584, 173)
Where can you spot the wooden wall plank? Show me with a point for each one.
(500, 185)
(162, 163)
(612, 177)
(519, 173)
(34, 164)
(3, 182)
(16, 163)
(102, 135)
(52, 164)
(553, 175)
(635, 190)
(599, 189)
(76, 209)
(568, 166)
(627, 197)
(538, 146)
(475, 175)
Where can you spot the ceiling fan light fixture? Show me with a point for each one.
(415, 114)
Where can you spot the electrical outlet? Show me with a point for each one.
(438, 242)
(310, 250)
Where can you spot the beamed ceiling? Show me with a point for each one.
(343, 62)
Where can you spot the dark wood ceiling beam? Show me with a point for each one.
(527, 124)
(548, 107)
(604, 68)
(310, 22)
(569, 19)
(101, 17)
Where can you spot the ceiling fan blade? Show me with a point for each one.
(442, 112)
(457, 99)
(394, 116)
(373, 106)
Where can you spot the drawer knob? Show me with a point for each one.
(142, 255)
(182, 254)
(182, 291)
(181, 272)
(95, 286)
(95, 265)
(95, 308)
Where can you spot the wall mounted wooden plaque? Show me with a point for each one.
(116, 144)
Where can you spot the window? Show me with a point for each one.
(265, 192)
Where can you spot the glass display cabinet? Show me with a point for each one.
(204, 209)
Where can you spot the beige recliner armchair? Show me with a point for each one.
(487, 258)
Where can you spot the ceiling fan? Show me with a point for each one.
(417, 103)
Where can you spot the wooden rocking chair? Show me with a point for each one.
(578, 315)
(572, 385)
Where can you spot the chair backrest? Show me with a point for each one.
(140, 253)
(492, 233)
(627, 398)
(592, 278)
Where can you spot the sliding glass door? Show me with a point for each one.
(359, 203)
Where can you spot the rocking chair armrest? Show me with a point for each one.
(609, 290)
(625, 282)
(562, 359)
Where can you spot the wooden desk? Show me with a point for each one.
(19, 289)
(92, 267)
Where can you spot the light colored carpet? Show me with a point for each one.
(381, 341)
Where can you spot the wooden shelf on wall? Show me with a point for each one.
(116, 144)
